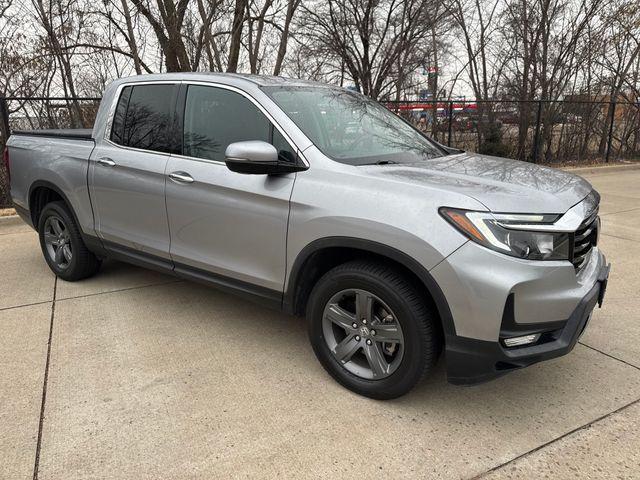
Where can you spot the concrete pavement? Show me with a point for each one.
(132, 374)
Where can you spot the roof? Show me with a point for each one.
(225, 78)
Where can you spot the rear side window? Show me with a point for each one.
(143, 118)
(117, 127)
(215, 117)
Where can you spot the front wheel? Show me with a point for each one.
(371, 330)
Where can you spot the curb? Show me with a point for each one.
(603, 168)
(9, 218)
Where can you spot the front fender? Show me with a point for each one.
(296, 271)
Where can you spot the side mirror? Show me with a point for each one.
(257, 158)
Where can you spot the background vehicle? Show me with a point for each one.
(321, 202)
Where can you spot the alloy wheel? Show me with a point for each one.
(363, 334)
(58, 242)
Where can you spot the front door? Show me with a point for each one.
(127, 172)
(223, 224)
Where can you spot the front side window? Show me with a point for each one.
(143, 118)
(350, 128)
(215, 117)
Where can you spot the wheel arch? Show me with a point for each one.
(323, 254)
(42, 192)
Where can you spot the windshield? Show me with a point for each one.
(350, 128)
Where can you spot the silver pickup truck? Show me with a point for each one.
(320, 202)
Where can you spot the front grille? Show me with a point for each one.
(584, 240)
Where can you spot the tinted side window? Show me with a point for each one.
(147, 123)
(215, 117)
(117, 127)
(286, 153)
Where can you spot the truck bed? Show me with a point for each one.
(71, 133)
(58, 158)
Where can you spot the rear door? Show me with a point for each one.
(127, 171)
(226, 226)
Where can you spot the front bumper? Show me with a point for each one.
(472, 361)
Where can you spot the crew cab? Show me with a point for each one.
(318, 201)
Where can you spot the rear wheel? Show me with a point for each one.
(62, 245)
(371, 330)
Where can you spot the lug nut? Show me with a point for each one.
(369, 342)
(364, 321)
(354, 325)
(357, 338)
(373, 332)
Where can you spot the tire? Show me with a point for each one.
(62, 245)
(398, 311)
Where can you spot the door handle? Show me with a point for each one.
(107, 162)
(181, 177)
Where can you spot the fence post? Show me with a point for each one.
(450, 121)
(536, 136)
(435, 131)
(4, 119)
(610, 138)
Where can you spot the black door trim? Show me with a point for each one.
(255, 293)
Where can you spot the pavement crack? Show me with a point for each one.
(620, 238)
(44, 383)
(25, 305)
(557, 439)
(621, 211)
(610, 356)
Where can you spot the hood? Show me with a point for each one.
(500, 184)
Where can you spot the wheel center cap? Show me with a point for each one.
(364, 331)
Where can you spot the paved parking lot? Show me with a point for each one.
(133, 374)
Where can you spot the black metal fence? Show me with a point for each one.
(26, 113)
(550, 132)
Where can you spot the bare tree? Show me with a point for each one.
(477, 22)
(514, 50)
(292, 6)
(62, 21)
(236, 34)
(367, 38)
(256, 18)
(166, 17)
(621, 53)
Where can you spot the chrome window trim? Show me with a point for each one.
(198, 159)
(133, 149)
(112, 110)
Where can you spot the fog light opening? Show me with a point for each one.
(520, 341)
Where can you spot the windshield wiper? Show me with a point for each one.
(381, 162)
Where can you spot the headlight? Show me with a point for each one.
(507, 233)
